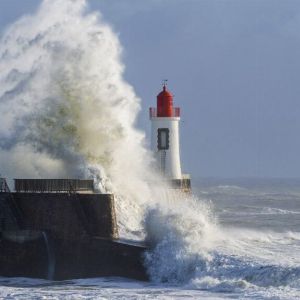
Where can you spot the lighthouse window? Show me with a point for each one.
(163, 139)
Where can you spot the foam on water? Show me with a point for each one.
(231, 261)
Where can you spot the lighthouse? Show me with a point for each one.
(165, 120)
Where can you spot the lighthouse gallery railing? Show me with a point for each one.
(153, 112)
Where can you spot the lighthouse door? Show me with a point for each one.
(162, 146)
(163, 138)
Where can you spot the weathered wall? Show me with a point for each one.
(39, 255)
(63, 236)
(93, 257)
(27, 258)
(68, 216)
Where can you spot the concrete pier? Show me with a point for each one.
(63, 236)
(68, 216)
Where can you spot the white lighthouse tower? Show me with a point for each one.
(165, 139)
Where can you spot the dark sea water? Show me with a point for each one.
(257, 256)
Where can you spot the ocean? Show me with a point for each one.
(256, 254)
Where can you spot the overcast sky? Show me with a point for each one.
(233, 66)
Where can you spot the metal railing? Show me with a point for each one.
(53, 185)
(153, 112)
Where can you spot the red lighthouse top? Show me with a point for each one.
(164, 103)
(164, 107)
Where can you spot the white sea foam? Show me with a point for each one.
(180, 236)
(258, 210)
(66, 110)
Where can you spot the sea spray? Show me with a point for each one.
(188, 247)
(66, 110)
(180, 233)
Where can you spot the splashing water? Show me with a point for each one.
(180, 234)
(64, 102)
(66, 110)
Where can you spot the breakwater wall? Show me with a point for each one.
(63, 236)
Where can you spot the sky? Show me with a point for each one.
(233, 67)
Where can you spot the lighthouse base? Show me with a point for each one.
(183, 184)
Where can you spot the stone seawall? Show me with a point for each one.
(38, 255)
(63, 236)
(68, 216)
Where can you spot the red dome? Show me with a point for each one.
(164, 103)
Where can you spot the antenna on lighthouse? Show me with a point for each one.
(164, 82)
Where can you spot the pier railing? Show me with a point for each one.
(153, 112)
(53, 185)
